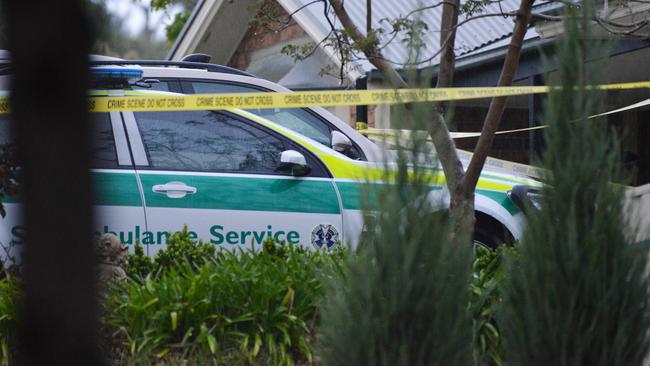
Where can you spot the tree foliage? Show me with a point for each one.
(578, 295)
(403, 298)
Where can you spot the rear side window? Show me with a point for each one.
(5, 129)
(101, 135)
(103, 145)
(208, 141)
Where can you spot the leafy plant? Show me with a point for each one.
(140, 264)
(242, 307)
(10, 304)
(485, 297)
(181, 247)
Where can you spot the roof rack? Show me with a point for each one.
(184, 64)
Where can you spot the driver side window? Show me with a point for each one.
(210, 141)
(295, 119)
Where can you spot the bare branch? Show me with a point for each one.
(639, 24)
(283, 24)
(497, 105)
(338, 40)
(445, 145)
(372, 52)
(605, 25)
(450, 3)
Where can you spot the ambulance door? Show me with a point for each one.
(117, 199)
(218, 173)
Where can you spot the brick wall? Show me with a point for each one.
(259, 37)
(371, 116)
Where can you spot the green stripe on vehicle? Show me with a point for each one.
(355, 194)
(245, 193)
(501, 198)
(115, 189)
(351, 194)
(110, 189)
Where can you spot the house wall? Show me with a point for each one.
(468, 117)
(257, 39)
(260, 53)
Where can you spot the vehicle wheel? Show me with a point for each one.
(485, 238)
(490, 233)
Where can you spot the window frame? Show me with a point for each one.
(188, 88)
(320, 170)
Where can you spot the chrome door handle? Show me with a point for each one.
(174, 189)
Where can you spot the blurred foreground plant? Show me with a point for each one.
(11, 298)
(403, 297)
(578, 293)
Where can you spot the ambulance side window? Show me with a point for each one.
(301, 120)
(208, 141)
(104, 155)
(5, 129)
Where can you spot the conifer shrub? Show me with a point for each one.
(402, 298)
(577, 293)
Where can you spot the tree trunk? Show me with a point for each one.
(461, 213)
(498, 104)
(461, 184)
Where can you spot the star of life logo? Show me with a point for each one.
(324, 235)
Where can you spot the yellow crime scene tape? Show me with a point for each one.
(392, 136)
(319, 98)
(312, 98)
(261, 100)
(391, 133)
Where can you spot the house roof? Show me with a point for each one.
(471, 36)
(215, 27)
(228, 20)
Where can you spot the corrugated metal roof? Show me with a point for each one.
(471, 36)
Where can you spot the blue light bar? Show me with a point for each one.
(116, 74)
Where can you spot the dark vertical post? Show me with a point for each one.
(362, 110)
(368, 16)
(535, 107)
(49, 43)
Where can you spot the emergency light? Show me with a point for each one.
(115, 77)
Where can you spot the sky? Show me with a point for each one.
(134, 16)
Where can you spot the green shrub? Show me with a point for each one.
(181, 247)
(485, 297)
(241, 307)
(10, 304)
(578, 292)
(402, 299)
(140, 264)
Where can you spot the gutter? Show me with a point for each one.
(478, 60)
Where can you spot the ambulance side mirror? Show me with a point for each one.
(293, 162)
(340, 142)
